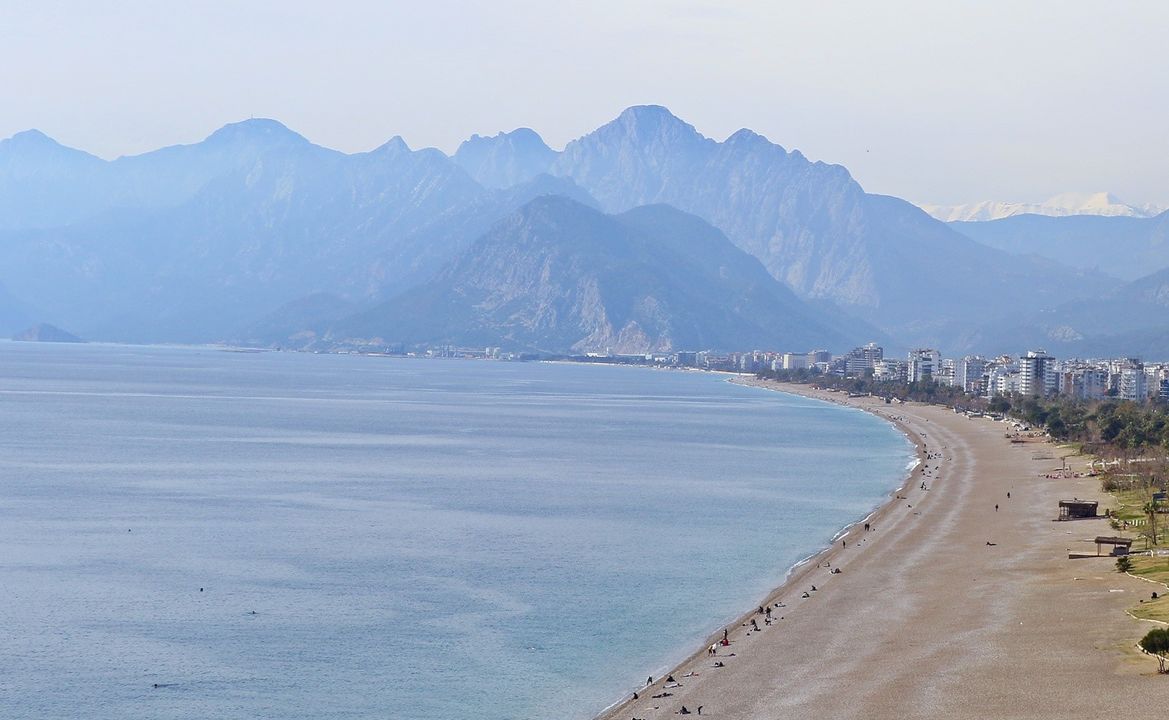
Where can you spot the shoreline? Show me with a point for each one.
(800, 569)
(800, 664)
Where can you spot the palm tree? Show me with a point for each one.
(1150, 509)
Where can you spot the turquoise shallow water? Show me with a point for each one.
(309, 536)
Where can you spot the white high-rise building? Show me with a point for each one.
(816, 357)
(1007, 382)
(1133, 384)
(861, 359)
(924, 363)
(889, 370)
(1153, 376)
(947, 373)
(968, 373)
(794, 361)
(1093, 383)
(1037, 374)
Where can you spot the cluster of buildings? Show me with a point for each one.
(754, 361)
(1035, 373)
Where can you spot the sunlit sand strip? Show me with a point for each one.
(945, 607)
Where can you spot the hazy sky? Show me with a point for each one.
(934, 101)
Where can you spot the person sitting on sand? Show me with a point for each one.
(683, 711)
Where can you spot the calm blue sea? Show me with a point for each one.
(284, 535)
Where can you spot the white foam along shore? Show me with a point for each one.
(674, 666)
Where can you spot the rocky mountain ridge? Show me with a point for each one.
(557, 275)
(199, 242)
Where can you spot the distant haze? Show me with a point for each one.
(934, 102)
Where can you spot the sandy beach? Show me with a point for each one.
(947, 607)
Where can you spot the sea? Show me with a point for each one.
(199, 533)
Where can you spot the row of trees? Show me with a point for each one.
(930, 392)
(1116, 424)
(1117, 427)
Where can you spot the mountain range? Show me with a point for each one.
(560, 275)
(256, 234)
(1123, 247)
(812, 225)
(1128, 321)
(1063, 205)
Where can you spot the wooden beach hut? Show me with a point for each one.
(1075, 509)
(1120, 546)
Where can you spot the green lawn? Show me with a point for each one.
(1130, 518)
(1153, 568)
(1153, 609)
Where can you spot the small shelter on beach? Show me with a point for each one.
(1120, 546)
(1074, 509)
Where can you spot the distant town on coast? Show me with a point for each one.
(1033, 373)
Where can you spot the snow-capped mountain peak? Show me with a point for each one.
(1070, 203)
